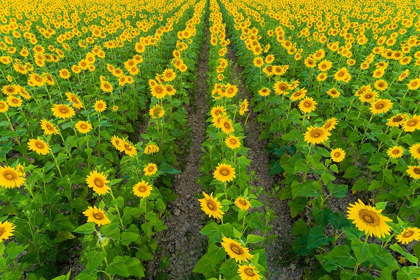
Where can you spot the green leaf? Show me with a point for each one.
(63, 277)
(212, 232)
(300, 227)
(251, 238)
(338, 220)
(204, 265)
(87, 228)
(397, 248)
(128, 237)
(363, 251)
(338, 257)
(317, 238)
(384, 259)
(118, 267)
(94, 259)
(338, 191)
(351, 172)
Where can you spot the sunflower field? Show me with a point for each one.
(209, 139)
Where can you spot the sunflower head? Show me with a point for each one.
(211, 206)
(97, 216)
(6, 230)
(224, 173)
(395, 152)
(338, 155)
(243, 203)
(235, 250)
(150, 169)
(233, 142)
(100, 106)
(39, 146)
(368, 219)
(142, 189)
(248, 272)
(316, 135)
(415, 151)
(98, 182)
(414, 172)
(11, 177)
(307, 105)
(408, 235)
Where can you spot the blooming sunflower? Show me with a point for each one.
(414, 172)
(6, 230)
(415, 151)
(10, 177)
(408, 235)
(235, 250)
(248, 272)
(151, 149)
(3, 106)
(129, 149)
(233, 142)
(338, 155)
(118, 143)
(83, 127)
(414, 84)
(307, 105)
(63, 111)
(244, 107)
(381, 85)
(369, 219)
(142, 189)
(100, 106)
(98, 182)
(412, 124)
(395, 152)
(226, 126)
(368, 97)
(396, 121)
(158, 91)
(380, 106)
(39, 146)
(14, 101)
(169, 75)
(157, 111)
(97, 216)
(298, 95)
(242, 203)
(316, 135)
(72, 98)
(330, 124)
(211, 206)
(217, 111)
(334, 93)
(224, 173)
(106, 86)
(264, 92)
(48, 127)
(150, 169)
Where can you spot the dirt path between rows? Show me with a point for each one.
(182, 244)
(279, 266)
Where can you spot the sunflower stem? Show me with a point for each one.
(56, 164)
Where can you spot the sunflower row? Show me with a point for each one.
(234, 248)
(300, 116)
(76, 151)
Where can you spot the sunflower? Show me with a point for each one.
(408, 235)
(118, 143)
(106, 86)
(298, 95)
(224, 173)
(100, 106)
(211, 206)
(3, 106)
(243, 107)
(65, 74)
(83, 127)
(150, 169)
(280, 87)
(168, 75)
(380, 106)
(233, 142)
(414, 84)
(235, 250)
(264, 92)
(412, 124)
(396, 152)
(381, 85)
(258, 62)
(338, 155)
(151, 149)
(325, 65)
(10, 177)
(38, 146)
(63, 111)
(129, 149)
(330, 124)
(396, 121)
(307, 105)
(368, 97)
(98, 182)
(231, 91)
(158, 91)
(6, 230)
(142, 189)
(316, 135)
(333, 93)
(414, 172)
(157, 112)
(14, 101)
(72, 98)
(369, 219)
(217, 111)
(321, 77)
(97, 216)
(415, 151)
(242, 203)
(248, 272)
(226, 126)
